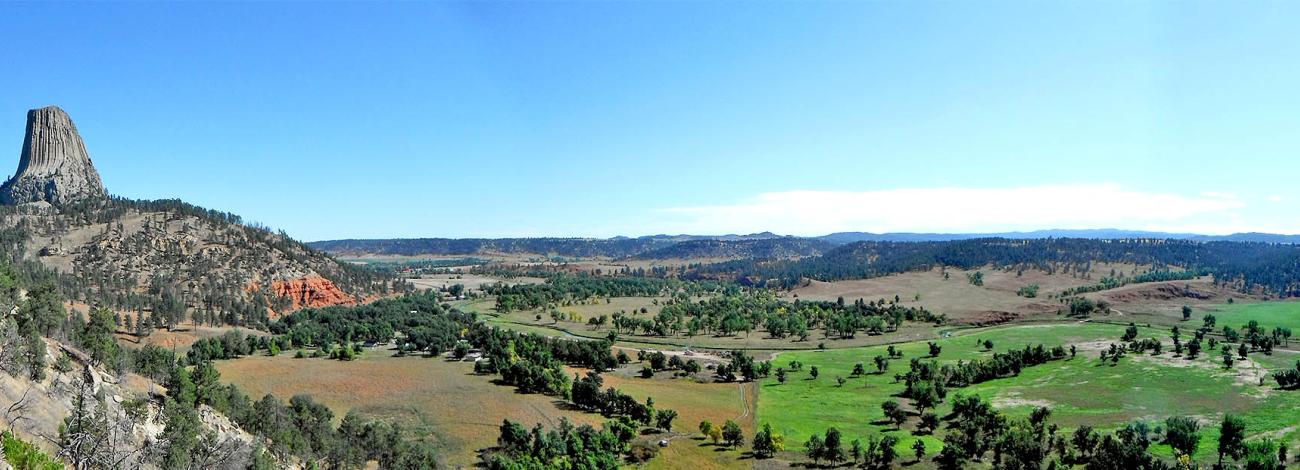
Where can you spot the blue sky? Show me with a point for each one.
(602, 118)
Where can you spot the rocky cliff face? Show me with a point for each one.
(54, 166)
(310, 291)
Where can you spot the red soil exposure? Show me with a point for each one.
(311, 291)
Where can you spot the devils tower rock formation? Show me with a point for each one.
(54, 167)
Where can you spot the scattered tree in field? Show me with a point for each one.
(780, 375)
(833, 449)
(711, 431)
(732, 434)
(1262, 455)
(934, 349)
(929, 423)
(1232, 435)
(815, 448)
(885, 456)
(767, 443)
(1182, 434)
(664, 419)
(894, 413)
(1187, 313)
(812, 372)
(1289, 378)
(1130, 333)
(918, 449)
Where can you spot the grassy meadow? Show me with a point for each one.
(444, 400)
(460, 411)
(1268, 314)
(1079, 391)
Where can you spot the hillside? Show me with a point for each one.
(1255, 267)
(167, 257)
(1098, 234)
(617, 247)
(97, 418)
(133, 254)
(769, 248)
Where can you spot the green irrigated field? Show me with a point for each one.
(1078, 391)
(1268, 314)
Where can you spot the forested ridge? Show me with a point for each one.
(1265, 267)
(579, 247)
(761, 245)
(165, 255)
(768, 248)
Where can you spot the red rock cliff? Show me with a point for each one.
(312, 291)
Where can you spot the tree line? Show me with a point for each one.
(1250, 266)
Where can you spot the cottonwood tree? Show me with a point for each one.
(815, 448)
(894, 413)
(833, 449)
(732, 434)
(766, 442)
(1232, 434)
(1182, 434)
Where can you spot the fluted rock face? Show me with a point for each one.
(311, 292)
(54, 167)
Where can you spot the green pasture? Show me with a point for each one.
(1079, 391)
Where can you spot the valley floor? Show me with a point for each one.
(461, 411)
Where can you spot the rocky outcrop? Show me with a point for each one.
(44, 405)
(54, 166)
(312, 291)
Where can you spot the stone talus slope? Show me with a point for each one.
(54, 166)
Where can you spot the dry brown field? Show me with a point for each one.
(955, 296)
(460, 411)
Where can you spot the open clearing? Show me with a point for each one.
(1268, 314)
(694, 402)
(956, 296)
(183, 337)
(470, 281)
(996, 301)
(461, 411)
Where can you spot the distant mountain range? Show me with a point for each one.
(1098, 234)
(754, 245)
